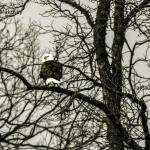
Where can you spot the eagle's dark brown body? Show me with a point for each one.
(51, 69)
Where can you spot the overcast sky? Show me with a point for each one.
(32, 12)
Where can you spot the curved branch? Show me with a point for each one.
(83, 97)
(142, 114)
(81, 9)
(28, 85)
(87, 77)
(135, 10)
(75, 94)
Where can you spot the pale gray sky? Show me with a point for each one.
(32, 12)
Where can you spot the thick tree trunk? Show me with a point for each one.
(114, 135)
(111, 75)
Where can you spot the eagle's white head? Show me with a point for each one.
(47, 57)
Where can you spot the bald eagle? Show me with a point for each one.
(51, 70)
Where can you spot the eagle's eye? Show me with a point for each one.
(45, 57)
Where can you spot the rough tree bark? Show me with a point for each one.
(111, 74)
(111, 78)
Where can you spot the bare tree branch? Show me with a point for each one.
(135, 10)
(81, 9)
(83, 97)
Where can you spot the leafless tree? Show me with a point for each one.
(102, 103)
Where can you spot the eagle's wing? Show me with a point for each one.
(57, 70)
(46, 70)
